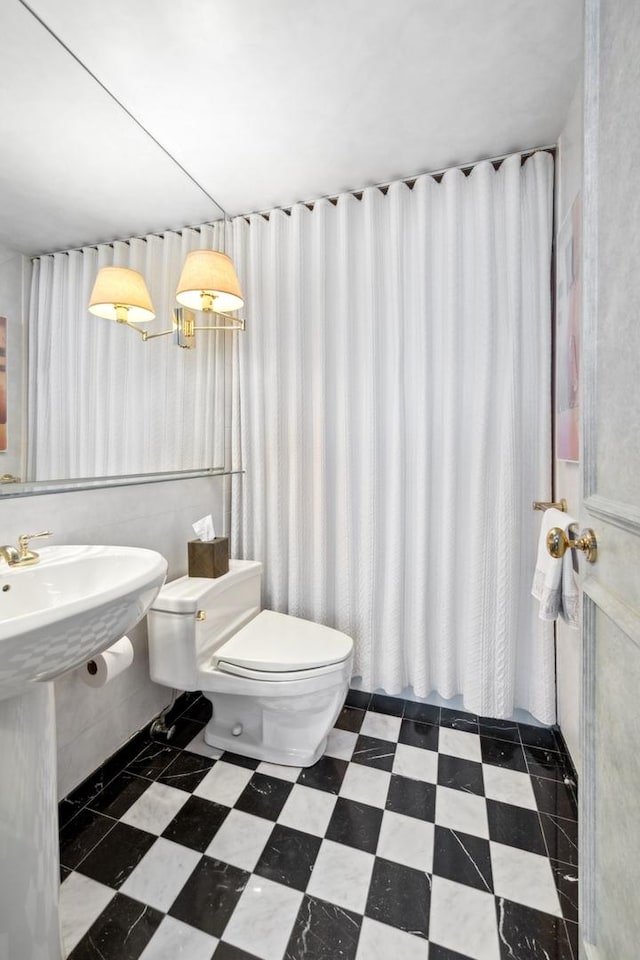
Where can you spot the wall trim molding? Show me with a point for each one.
(621, 514)
(623, 616)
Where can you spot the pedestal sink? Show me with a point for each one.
(53, 617)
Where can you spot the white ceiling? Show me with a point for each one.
(263, 102)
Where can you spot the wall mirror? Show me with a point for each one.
(88, 402)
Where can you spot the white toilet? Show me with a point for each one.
(277, 683)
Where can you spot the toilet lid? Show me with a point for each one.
(277, 642)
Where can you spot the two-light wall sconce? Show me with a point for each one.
(208, 284)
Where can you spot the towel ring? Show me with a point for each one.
(558, 543)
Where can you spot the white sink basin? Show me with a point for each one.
(69, 607)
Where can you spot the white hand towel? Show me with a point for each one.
(570, 606)
(547, 579)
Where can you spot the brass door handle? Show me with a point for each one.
(558, 543)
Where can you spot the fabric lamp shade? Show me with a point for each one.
(118, 287)
(209, 282)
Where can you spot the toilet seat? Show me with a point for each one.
(276, 646)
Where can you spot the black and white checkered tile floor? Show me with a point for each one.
(422, 834)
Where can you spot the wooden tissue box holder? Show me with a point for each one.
(208, 558)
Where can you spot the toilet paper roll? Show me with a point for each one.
(107, 665)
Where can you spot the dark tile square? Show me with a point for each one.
(119, 795)
(527, 934)
(421, 712)
(64, 873)
(515, 827)
(393, 706)
(416, 734)
(460, 774)
(185, 731)
(288, 857)
(350, 719)
(437, 952)
(500, 729)
(555, 797)
(117, 855)
(182, 704)
(458, 720)
(66, 812)
(86, 791)
(413, 798)
(327, 774)
(373, 752)
(533, 736)
(463, 858)
(81, 835)
(186, 771)
(249, 763)
(225, 951)
(546, 763)
(264, 796)
(358, 698)
(152, 760)
(200, 711)
(323, 931)
(400, 896)
(567, 885)
(196, 823)
(210, 896)
(121, 932)
(562, 838)
(501, 753)
(355, 824)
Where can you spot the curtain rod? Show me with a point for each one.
(409, 181)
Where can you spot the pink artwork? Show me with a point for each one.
(568, 336)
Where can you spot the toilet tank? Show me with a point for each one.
(192, 616)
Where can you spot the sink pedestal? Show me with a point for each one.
(29, 852)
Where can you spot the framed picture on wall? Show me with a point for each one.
(568, 336)
(3, 384)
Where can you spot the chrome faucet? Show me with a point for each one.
(23, 556)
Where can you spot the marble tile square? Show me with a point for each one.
(436, 952)
(223, 783)
(308, 809)
(509, 786)
(281, 770)
(161, 874)
(458, 720)
(249, 763)
(555, 797)
(460, 743)
(82, 900)
(358, 698)
(155, 809)
(374, 753)
(288, 857)
(341, 744)
(81, 835)
(380, 703)
(351, 719)
(240, 840)
(567, 885)
(474, 932)
(366, 785)
(226, 951)
(210, 896)
(462, 811)
(525, 878)
(500, 729)
(561, 837)
(545, 763)
(464, 858)
(323, 931)
(186, 730)
(174, 939)
(263, 920)
(459, 774)
(152, 760)
(381, 726)
(415, 763)
(502, 753)
(406, 840)
(115, 857)
(379, 941)
(264, 796)
(515, 826)
(521, 926)
(186, 771)
(413, 798)
(355, 824)
(400, 897)
(424, 735)
(196, 823)
(533, 736)
(422, 712)
(341, 875)
(122, 930)
(198, 746)
(119, 795)
(327, 774)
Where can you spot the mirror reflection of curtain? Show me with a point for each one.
(102, 402)
(392, 413)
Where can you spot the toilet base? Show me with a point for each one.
(289, 730)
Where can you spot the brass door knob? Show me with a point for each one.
(558, 543)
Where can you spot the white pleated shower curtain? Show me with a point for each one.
(392, 413)
(104, 402)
